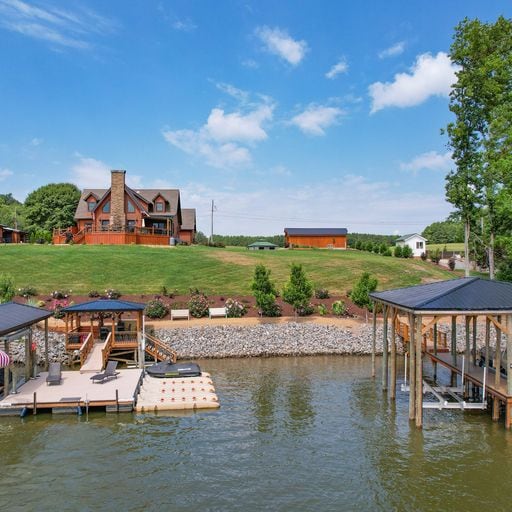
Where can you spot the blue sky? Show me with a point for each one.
(286, 114)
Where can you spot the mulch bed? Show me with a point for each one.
(180, 302)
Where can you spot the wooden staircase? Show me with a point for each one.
(158, 350)
(402, 330)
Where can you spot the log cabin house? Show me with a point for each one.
(122, 215)
(11, 235)
(324, 238)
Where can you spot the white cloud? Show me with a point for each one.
(279, 206)
(239, 94)
(237, 126)
(250, 64)
(62, 28)
(36, 141)
(185, 25)
(91, 173)
(316, 118)
(431, 160)
(5, 173)
(429, 76)
(278, 42)
(393, 51)
(340, 67)
(219, 141)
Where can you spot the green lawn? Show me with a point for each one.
(447, 247)
(137, 269)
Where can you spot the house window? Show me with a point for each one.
(129, 207)
(91, 205)
(159, 206)
(131, 226)
(105, 225)
(419, 245)
(106, 207)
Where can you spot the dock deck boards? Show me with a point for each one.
(75, 388)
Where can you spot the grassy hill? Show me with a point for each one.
(137, 269)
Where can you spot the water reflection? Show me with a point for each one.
(264, 399)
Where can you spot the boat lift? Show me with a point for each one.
(448, 397)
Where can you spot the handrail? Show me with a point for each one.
(159, 350)
(107, 347)
(86, 348)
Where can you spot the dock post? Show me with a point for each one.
(454, 348)
(468, 356)
(34, 407)
(474, 340)
(27, 358)
(412, 368)
(434, 363)
(419, 374)
(497, 373)
(6, 372)
(393, 355)
(385, 350)
(46, 360)
(374, 337)
(509, 363)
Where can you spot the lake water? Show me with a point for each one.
(293, 434)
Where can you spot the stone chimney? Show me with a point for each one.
(117, 213)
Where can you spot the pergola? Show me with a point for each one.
(424, 306)
(82, 337)
(16, 322)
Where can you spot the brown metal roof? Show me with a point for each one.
(170, 195)
(188, 218)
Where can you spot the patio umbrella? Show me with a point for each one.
(4, 359)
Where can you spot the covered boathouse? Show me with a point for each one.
(415, 313)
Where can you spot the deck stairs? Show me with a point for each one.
(94, 361)
(402, 330)
(78, 238)
(158, 350)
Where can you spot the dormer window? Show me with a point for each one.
(106, 207)
(91, 205)
(159, 206)
(129, 207)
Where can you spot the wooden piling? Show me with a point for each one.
(467, 355)
(419, 374)
(385, 350)
(374, 337)
(497, 374)
(46, 359)
(509, 356)
(393, 355)
(453, 348)
(434, 364)
(412, 368)
(34, 405)
(474, 340)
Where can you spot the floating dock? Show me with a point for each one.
(76, 391)
(189, 393)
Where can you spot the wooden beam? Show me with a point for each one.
(509, 357)
(474, 340)
(419, 375)
(412, 368)
(454, 340)
(374, 336)
(393, 355)
(385, 350)
(430, 324)
(46, 358)
(497, 323)
(497, 365)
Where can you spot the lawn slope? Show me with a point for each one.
(137, 269)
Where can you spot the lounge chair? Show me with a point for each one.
(109, 373)
(54, 374)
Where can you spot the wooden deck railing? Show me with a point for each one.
(403, 330)
(75, 338)
(126, 339)
(86, 348)
(159, 350)
(107, 348)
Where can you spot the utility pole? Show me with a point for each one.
(211, 229)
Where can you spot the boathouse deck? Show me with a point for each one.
(75, 390)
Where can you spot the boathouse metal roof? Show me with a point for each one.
(95, 306)
(315, 231)
(263, 243)
(14, 316)
(470, 294)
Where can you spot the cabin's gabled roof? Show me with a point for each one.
(188, 219)
(315, 231)
(14, 317)
(464, 294)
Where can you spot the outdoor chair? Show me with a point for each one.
(109, 373)
(54, 374)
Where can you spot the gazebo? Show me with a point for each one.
(414, 314)
(16, 323)
(113, 329)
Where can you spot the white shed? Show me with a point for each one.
(415, 241)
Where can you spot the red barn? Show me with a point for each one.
(324, 238)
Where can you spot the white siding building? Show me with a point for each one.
(415, 241)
